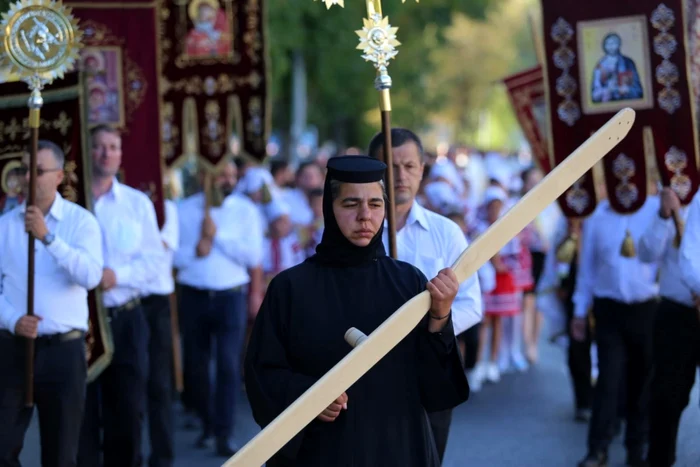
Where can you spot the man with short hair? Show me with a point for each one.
(133, 252)
(68, 263)
(428, 241)
(220, 247)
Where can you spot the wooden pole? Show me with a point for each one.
(35, 103)
(389, 161)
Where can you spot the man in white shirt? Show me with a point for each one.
(676, 334)
(428, 241)
(156, 308)
(623, 295)
(690, 249)
(132, 249)
(218, 247)
(68, 263)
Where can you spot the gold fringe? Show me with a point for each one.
(628, 250)
(567, 249)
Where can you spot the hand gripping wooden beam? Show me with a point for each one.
(368, 350)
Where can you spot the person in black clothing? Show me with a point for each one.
(299, 332)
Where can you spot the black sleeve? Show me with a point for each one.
(443, 384)
(271, 384)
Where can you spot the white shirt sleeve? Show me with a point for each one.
(653, 242)
(9, 315)
(467, 309)
(170, 234)
(83, 261)
(689, 254)
(243, 246)
(583, 292)
(144, 268)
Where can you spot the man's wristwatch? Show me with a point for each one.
(48, 239)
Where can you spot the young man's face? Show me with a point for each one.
(359, 211)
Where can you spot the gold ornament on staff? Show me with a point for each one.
(378, 44)
(39, 42)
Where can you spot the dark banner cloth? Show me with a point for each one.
(121, 63)
(215, 79)
(63, 122)
(602, 56)
(527, 95)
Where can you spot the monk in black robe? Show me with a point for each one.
(299, 332)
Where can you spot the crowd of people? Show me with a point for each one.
(241, 246)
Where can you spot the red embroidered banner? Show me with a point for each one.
(215, 79)
(527, 95)
(121, 63)
(63, 122)
(602, 56)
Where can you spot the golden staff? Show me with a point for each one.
(378, 44)
(39, 42)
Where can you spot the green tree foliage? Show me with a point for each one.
(342, 99)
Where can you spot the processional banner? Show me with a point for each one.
(120, 58)
(63, 121)
(527, 95)
(602, 56)
(215, 79)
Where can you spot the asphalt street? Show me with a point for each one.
(524, 421)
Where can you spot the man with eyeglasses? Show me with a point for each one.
(68, 263)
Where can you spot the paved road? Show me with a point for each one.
(525, 421)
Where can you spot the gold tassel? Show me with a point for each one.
(567, 249)
(628, 250)
(266, 195)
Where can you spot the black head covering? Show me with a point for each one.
(335, 249)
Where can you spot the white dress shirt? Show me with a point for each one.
(64, 271)
(603, 272)
(656, 245)
(237, 243)
(132, 246)
(689, 259)
(164, 284)
(299, 210)
(432, 242)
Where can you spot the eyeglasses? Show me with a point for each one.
(24, 170)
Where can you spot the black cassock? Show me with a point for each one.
(299, 336)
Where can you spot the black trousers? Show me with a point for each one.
(117, 399)
(440, 424)
(579, 361)
(60, 369)
(676, 359)
(160, 380)
(624, 339)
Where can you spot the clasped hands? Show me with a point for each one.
(206, 238)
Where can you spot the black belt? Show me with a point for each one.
(49, 338)
(130, 305)
(212, 293)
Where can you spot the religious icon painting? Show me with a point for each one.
(103, 74)
(210, 33)
(615, 69)
(12, 183)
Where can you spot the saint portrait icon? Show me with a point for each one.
(103, 75)
(210, 35)
(615, 66)
(615, 77)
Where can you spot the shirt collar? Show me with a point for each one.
(56, 210)
(417, 214)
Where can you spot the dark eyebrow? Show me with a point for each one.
(374, 200)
